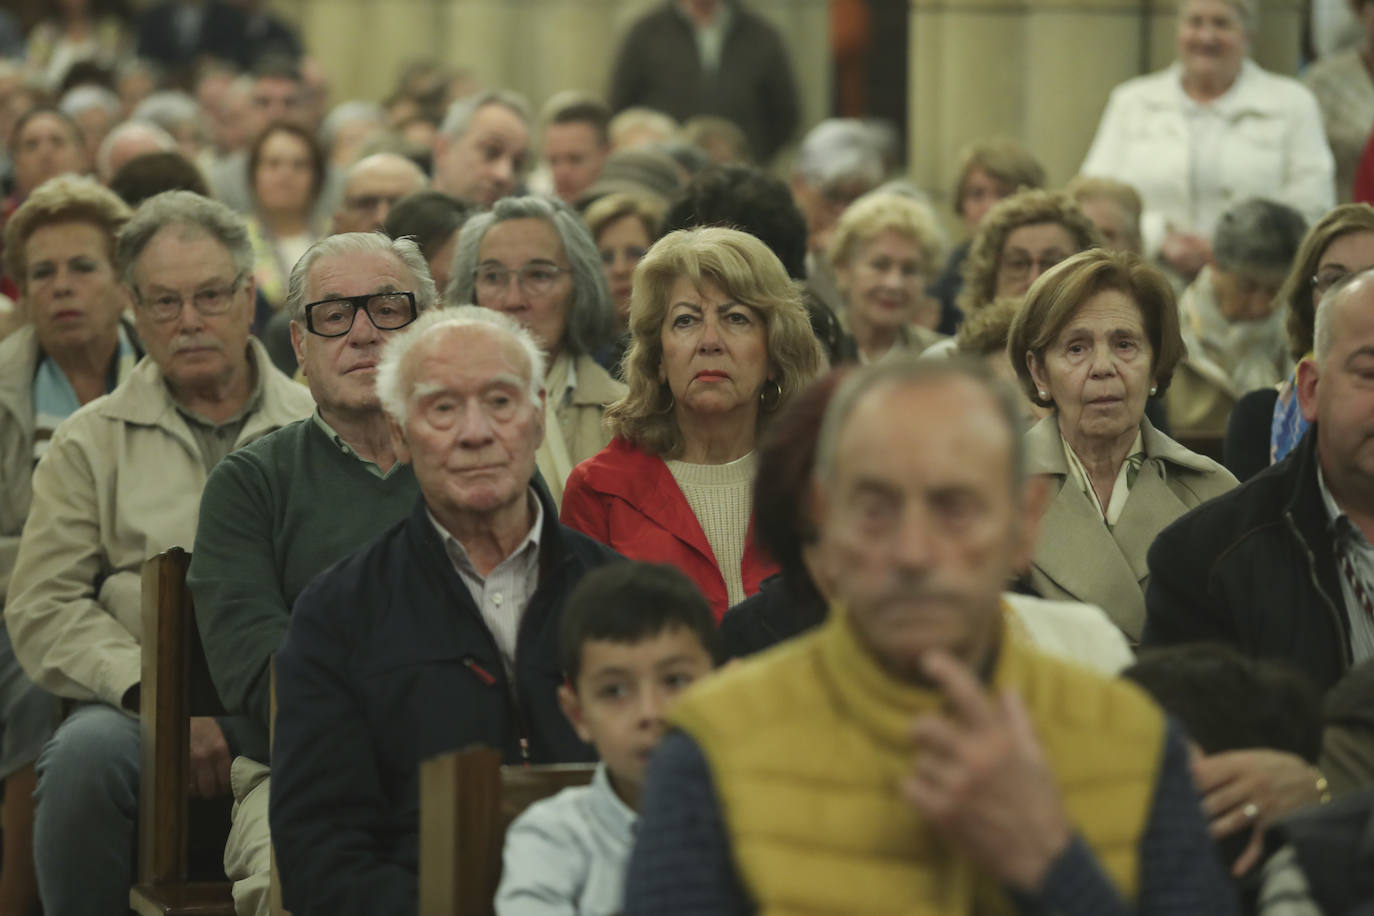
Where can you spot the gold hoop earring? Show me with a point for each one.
(777, 395)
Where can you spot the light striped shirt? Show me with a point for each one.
(506, 591)
(1352, 545)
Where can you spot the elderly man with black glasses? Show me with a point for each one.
(279, 511)
(122, 480)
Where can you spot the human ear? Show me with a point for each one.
(298, 344)
(571, 704)
(398, 441)
(1309, 376)
(1038, 373)
(1035, 499)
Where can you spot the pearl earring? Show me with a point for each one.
(1044, 395)
(1154, 389)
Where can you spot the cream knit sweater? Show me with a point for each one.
(721, 497)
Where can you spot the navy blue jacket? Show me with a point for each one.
(1255, 568)
(388, 662)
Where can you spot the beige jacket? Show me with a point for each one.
(579, 421)
(120, 482)
(1078, 556)
(18, 362)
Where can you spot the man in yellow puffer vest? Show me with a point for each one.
(912, 755)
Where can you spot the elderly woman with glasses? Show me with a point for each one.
(534, 259)
(1098, 335)
(1266, 424)
(59, 247)
(720, 341)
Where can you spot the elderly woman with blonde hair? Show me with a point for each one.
(720, 341)
(1095, 338)
(884, 249)
(1210, 129)
(59, 247)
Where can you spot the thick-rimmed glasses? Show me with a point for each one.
(334, 317)
(534, 279)
(210, 301)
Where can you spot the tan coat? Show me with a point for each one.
(1078, 557)
(18, 362)
(120, 481)
(579, 420)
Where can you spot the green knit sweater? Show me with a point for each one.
(274, 514)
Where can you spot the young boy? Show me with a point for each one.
(634, 635)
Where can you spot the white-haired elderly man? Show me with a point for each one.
(121, 481)
(482, 150)
(277, 512)
(1282, 566)
(439, 634)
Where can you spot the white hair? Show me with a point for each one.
(392, 380)
(85, 98)
(127, 130)
(346, 113)
(1322, 330)
(460, 114)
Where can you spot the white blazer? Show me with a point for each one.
(1273, 145)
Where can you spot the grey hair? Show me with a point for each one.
(392, 388)
(1247, 10)
(188, 210)
(591, 318)
(346, 113)
(460, 113)
(839, 150)
(910, 371)
(84, 98)
(1322, 339)
(165, 141)
(405, 162)
(358, 244)
(1258, 236)
(169, 110)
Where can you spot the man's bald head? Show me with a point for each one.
(373, 186)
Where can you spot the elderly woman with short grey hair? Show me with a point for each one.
(534, 259)
(1231, 317)
(1211, 129)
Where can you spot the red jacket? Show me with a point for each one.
(627, 499)
(1364, 174)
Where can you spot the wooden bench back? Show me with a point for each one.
(467, 802)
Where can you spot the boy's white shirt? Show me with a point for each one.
(568, 854)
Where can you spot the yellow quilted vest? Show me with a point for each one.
(807, 744)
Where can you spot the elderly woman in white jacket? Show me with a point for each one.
(1210, 130)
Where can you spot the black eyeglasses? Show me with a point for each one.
(165, 306)
(334, 317)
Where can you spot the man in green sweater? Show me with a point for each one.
(276, 514)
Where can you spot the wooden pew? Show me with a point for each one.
(175, 686)
(467, 802)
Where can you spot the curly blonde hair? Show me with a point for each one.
(1025, 208)
(750, 274)
(877, 212)
(64, 199)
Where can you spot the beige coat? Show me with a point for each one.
(1078, 557)
(579, 420)
(120, 482)
(18, 362)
